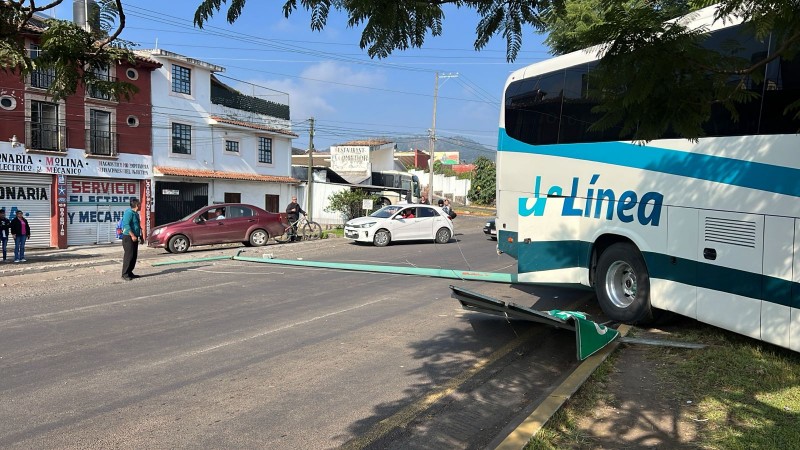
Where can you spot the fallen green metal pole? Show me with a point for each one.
(185, 261)
(492, 277)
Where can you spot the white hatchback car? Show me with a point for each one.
(401, 223)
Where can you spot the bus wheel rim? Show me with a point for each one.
(621, 284)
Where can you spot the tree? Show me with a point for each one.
(483, 189)
(567, 26)
(443, 169)
(636, 38)
(348, 203)
(76, 57)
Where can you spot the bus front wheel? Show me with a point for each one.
(622, 284)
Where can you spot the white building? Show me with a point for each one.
(213, 144)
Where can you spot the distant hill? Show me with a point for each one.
(468, 149)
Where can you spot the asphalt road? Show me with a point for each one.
(230, 354)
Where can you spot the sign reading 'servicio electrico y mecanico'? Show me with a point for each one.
(75, 163)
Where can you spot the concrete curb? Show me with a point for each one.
(520, 437)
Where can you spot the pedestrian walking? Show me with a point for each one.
(21, 232)
(5, 231)
(131, 239)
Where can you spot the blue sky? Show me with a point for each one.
(329, 77)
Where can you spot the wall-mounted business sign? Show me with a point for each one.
(74, 163)
(350, 159)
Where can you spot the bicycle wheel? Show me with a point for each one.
(283, 238)
(312, 231)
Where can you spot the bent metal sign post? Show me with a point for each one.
(75, 163)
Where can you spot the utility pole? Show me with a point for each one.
(310, 171)
(432, 144)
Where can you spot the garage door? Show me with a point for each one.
(32, 195)
(94, 206)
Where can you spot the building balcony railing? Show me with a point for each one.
(43, 78)
(46, 136)
(221, 95)
(101, 143)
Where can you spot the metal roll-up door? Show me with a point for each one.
(94, 206)
(31, 194)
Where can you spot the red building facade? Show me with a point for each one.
(72, 165)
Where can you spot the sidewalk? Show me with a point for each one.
(45, 259)
(48, 259)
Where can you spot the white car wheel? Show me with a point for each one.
(443, 236)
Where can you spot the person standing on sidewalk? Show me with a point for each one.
(5, 231)
(22, 232)
(131, 238)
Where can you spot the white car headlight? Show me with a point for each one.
(157, 231)
(364, 225)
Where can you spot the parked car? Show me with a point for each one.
(218, 224)
(490, 229)
(401, 223)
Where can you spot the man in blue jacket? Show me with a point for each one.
(131, 238)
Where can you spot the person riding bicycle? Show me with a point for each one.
(293, 211)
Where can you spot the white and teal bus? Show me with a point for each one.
(707, 229)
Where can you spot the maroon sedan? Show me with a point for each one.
(218, 224)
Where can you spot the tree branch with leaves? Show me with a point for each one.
(75, 56)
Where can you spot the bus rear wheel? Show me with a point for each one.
(622, 284)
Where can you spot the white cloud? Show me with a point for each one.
(320, 88)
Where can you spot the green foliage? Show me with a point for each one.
(443, 169)
(483, 190)
(348, 203)
(389, 25)
(71, 53)
(655, 78)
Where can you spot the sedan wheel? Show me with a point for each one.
(178, 244)
(259, 238)
(443, 236)
(381, 238)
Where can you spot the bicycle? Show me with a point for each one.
(307, 230)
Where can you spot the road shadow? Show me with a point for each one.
(512, 365)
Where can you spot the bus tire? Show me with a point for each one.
(622, 284)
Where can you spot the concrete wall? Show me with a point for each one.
(449, 187)
(382, 159)
(322, 191)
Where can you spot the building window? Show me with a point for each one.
(41, 77)
(232, 146)
(100, 138)
(181, 139)
(265, 150)
(103, 74)
(44, 129)
(181, 79)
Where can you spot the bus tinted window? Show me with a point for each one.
(555, 108)
(533, 108)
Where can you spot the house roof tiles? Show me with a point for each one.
(216, 174)
(254, 126)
